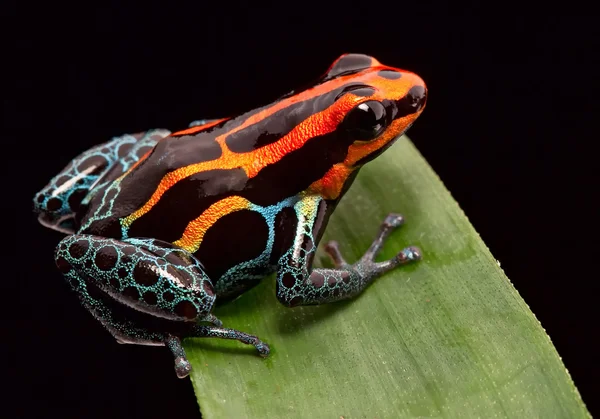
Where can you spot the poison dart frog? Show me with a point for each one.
(162, 224)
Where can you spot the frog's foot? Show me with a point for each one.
(367, 263)
(182, 365)
(224, 333)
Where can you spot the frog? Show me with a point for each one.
(159, 225)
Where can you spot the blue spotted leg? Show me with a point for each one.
(145, 291)
(299, 284)
(72, 188)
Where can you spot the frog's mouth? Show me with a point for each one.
(65, 224)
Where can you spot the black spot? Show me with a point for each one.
(389, 74)
(41, 198)
(331, 281)
(63, 265)
(150, 298)
(79, 248)
(53, 204)
(317, 279)
(106, 258)
(124, 149)
(348, 64)
(296, 301)
(288, 280)
(345, 277)
(114, 282)
(122, 273)
(95, 292)
(234, 238)
(362, 91)
(131, 293)
(168, 296)
(186, 310)
(144, 275)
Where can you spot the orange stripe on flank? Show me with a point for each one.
(197, 228)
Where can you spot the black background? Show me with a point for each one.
(509, 127)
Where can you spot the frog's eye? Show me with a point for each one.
(366, 121)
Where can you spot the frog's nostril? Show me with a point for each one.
(413, 102)
(418, 97)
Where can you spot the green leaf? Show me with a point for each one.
(446, 337)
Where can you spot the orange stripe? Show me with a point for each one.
(194, 130)
(254, 161)
(317, 124)
(331, 184)
(196, 229)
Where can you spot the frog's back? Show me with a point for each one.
(158, 193)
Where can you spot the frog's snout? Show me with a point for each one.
(417, 96)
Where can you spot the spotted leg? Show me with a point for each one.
(145, 291)
(299, 284)
(70, 190)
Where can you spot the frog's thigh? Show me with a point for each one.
(71, 188)
(149, 276)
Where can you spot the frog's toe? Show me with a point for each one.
(393, 221)
(182, 367)
(263, 349)
(410, 254)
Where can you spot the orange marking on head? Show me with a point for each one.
(331, 184)
(197, 228)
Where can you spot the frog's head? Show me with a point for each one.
(347, 118)
(375, 107)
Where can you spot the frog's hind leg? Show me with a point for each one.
(183, 366)
(69, 191)
(200, 331)
(144, 291)
(299, 284)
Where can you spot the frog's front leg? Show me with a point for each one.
(299, 284)
(145, 291)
